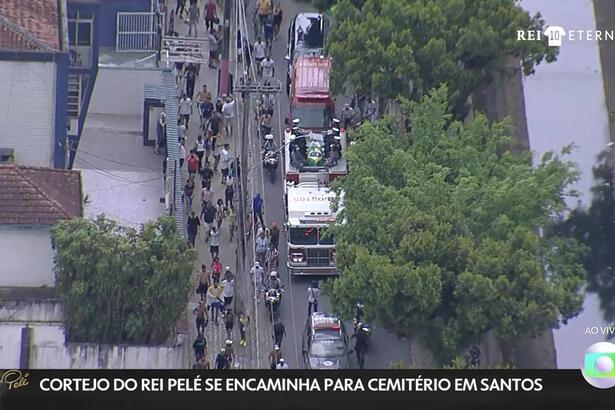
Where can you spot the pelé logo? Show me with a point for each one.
(14, 379)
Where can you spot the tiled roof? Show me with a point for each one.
(29, 25)
(38, 196)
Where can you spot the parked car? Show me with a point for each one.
(306, 36)
(325, 343)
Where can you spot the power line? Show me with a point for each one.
(112, 160)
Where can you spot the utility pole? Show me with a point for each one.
(226, 46)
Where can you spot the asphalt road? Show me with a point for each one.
(385, 348)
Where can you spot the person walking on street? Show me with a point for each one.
(257, 208)
(214, 245)
(268, 67)
(206, 176)
(194, 14)
(274, 236)
(256, 276)
(214, 299)
(213, 48)
(211, 14)
(216, 269)
(200, 312)
(200, 347)
(208, 214)
(274, 357)
(193, 227)
(282, 365)
(203, 282)
(278, 332)
(230, 351)
(181, 8)
(229, 191)
(189, 193)
(203, 103)
(220, 213)
(184, 110)
(313, 294)
(228, 111)
(244, 322)
(264, 9)
(182, 152)
(199, 147)
(277, 20)
(261, 248)
(202, 364)
(268, 30)
(260, 52)
(161, 132)
(192, 163)
(225, 162)
(222, 360)
(228, 290)
(232, 223)
(216, 155)
(229, 321)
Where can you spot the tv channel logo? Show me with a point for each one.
(599, 365)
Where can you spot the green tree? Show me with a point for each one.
(393, 48)
(447, 233)
(120, 285)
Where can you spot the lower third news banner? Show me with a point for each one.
(289, 389)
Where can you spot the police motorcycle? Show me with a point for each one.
(270, 157)
(273, 295)
(361, 326)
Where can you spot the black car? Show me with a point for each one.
(325, 343)
(306, 36)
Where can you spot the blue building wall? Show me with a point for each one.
(61, 125)
(108, 17)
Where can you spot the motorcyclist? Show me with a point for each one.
(274, 281)
(266, 123)
(358, 315)
(269, 145)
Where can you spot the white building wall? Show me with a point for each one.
(27, 110)
(26, 256)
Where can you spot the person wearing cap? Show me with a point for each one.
(230, 351)
(347, 115)
(274, 357)
(228, 288)
(282, 365)
(222, 362)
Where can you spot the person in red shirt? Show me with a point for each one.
(216, 269)
(210, 14)
(193, 163)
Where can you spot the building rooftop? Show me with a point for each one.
(31, 25)
(38, 196)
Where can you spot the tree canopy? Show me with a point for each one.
(120, 285)
(392, 48)
(448, 235)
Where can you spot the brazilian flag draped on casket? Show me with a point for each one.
(314, 154)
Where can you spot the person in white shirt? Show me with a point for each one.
(185, 109)
(260, 49)
(182, 153)
(228, 111)
(313, 294)
(228, 291)
(267, 67)
(225, 161)
(347, 115)
(256, 274)
(281, 365)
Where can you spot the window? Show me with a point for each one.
(79, 33)
(313, 116)
(304, 236)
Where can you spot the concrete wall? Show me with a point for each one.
(26, 257)
(120, 90)
(27, 110)
(30, 311)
